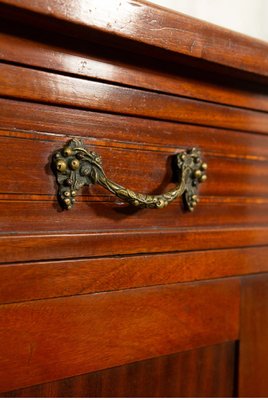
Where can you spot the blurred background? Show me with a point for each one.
(246, 16)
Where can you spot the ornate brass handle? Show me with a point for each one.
(75, 166)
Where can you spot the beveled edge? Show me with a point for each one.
(143, 23)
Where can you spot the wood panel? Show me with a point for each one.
(52, 339)
(39, 280)
(253, 359)
(30, 156)
(45, 87)
(57, 246)
(204, 372)
(42, 49)
(117, 129)
(28, 216)
(151, 26)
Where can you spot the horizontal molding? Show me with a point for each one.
(27, 247)
(254, 152)
(51, 52)
(148, 26)
(107, 198)
(147, 171)
(51, 121)
(45, 87)
(48, 340)
(47, 217)
(76, 277)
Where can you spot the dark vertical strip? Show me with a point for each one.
(253, 357)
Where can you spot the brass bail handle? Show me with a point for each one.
(75, 167)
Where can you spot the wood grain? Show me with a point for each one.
(45, 87)
(253, 358)
(53, 339)
(37, 216)
(149, 25)
(30, 156)
(204, 372)
(23, 247)
(40, 48)
(55, 123)
(105, 285)
(39, 280)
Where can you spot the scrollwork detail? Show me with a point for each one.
(75, 167)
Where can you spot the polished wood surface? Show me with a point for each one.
(235, 158)
(239, 177)
(41, 280)
(205, 372)
(197, 39)
(103, 214)
(253, 337)
(37, 119)
(46, 87)
(27, 247)
(41, 49)
(158, 302)
(57, 338)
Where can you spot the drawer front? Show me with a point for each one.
(137, 153)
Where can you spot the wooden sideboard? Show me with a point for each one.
(105, 299)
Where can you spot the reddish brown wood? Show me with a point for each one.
(253, 357)
(102, 285)
(25, 247)
(53, 339)
(30, 156)
(139, 133)
(152, 25)
(204, 372)
(52, 88)
(41, 216)
(39, 49)
(39, 280)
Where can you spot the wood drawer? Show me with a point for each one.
(137, 153)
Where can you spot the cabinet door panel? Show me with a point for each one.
(203, 372)
(253, 359)
(52, 339)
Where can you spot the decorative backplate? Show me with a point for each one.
(75, 167)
